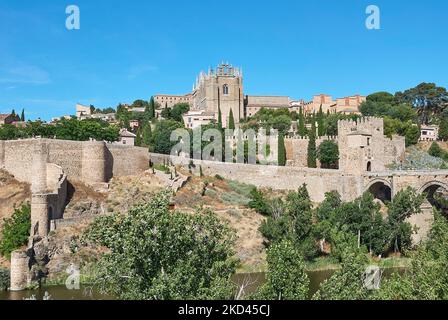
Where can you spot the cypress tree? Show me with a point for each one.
(219, 118)
(138, 139)
(312, 146)
(231, 122)
(152, 108)
(281, 150)
(302, 127)
(147, 134)
(22, 117)
(320, 122)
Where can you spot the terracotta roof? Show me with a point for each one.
(3, 116)
(126, 133)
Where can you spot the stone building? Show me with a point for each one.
(8, 118)
(165, 100)
(346, 105)
(429, 133)
(82, 110)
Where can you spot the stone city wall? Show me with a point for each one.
(318, 181)
(89, 162)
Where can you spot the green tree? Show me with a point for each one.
(4, 279)
(436, 151)
(138, 138)
(146, 136)
(286, 278)
(443, 126)
(429, 99)
(320, 123)
(231, 121)
(328, 154)
(154, 254)
(412, 135)
(152, 108)
(160, 137)
(281, 150)
(219, 118)
(312, 152)
(301, 127)
(427, 276)
(347, 282)
(22, 116)
(16, 230)
(258, 202)
(404, 205)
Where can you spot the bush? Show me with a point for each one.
(328, 154)
(259, 203)
(155, 254)
(16, 231)
(4, 279)
(286, 276)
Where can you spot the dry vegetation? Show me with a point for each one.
(228, 199)
(12, 195)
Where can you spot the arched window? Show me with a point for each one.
(369, 166)
(225, 89)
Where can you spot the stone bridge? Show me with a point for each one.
(385, 185)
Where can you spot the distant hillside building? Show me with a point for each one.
(222, 89)
(126, 138)
(8, 118)
(164, 100)
(82, 110)
(347, 105)
(429, 133)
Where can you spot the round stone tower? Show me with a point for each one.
(94, 158)
(2, 153)
(39, 167)
(19, 271)
(39, 198)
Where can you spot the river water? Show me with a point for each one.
(251, 280)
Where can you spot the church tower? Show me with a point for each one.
(220, 89)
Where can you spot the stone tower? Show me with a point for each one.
(361, 145)
(220, 89)
(40, 223)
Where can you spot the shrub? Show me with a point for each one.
(4, 279)
(259, 203)
(16, 231)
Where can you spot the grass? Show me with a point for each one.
(322, 263)
(241, 188)
(235, 199)
(161, 167)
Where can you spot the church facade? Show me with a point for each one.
(222, 89)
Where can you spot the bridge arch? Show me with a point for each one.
(430, 188)
(381, 189)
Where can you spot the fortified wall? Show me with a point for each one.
(362, 146)
(48, 165)
(90, 162)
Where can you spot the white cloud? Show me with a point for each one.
(137, 71)
(24, 74)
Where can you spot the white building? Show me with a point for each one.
(429, 133)
(194, 119)
(126, 138)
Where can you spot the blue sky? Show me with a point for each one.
(126, 50)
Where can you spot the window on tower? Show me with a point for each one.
(225, 89)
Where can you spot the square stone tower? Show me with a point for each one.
(220, 89)
(362, 145)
